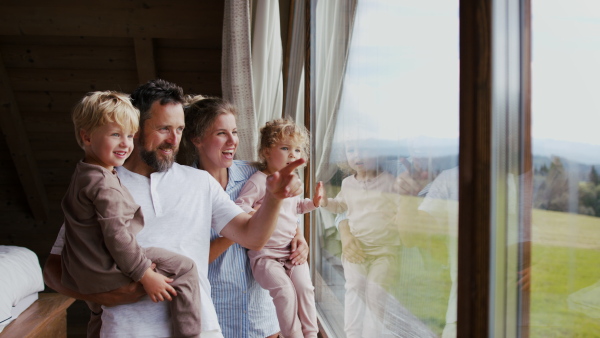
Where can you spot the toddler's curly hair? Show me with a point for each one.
(278, 130)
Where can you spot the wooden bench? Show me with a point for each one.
(46, 317)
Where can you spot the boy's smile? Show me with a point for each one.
(108, 145)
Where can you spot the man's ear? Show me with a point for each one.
(85, 137)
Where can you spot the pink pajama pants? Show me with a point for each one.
(291, 289)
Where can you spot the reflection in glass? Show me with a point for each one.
(386, 241)
(565, 279)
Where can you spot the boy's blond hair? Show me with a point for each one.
(278, 130)
(99, 108)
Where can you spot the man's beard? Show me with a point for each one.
(151, 158)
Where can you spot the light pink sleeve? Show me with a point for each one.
(250, 197)
(305, 205)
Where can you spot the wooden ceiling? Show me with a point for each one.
(51, 54)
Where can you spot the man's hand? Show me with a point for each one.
(126, 294)
(299, 249)
(284, 183)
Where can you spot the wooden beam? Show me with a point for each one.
(13, 130)
(97, 20)
(144, 57)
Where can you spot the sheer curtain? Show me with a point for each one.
(267, 62)
(251, 69)
(334, 20)
(236, 74)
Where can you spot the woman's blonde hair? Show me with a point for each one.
(100, 108)
(276, 131)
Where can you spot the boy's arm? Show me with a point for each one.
(115, 213)
(254, 231)
(126, 294)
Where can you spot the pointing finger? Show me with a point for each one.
(291, 167)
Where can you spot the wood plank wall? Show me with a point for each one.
(52, 54)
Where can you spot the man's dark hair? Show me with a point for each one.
(154, 90)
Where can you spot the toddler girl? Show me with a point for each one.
(283, 142)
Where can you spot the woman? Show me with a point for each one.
(209, 142)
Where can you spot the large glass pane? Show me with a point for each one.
(385, 127)
(565, 278)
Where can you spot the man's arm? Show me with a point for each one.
(254, 231)
(126, 294)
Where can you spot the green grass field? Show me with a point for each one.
(565, 259)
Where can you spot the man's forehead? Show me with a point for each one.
(171, 111)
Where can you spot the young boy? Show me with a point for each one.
(101, 219)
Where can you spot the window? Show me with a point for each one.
(385, 247)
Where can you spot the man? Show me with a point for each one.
(180, 205)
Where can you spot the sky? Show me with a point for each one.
(402, 77)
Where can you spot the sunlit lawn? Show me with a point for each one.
(565, 259)
(559, 271)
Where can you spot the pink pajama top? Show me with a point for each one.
(251, 197)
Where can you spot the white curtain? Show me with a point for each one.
(294, 93)
(334, 20)
(267, 62)
(236, 78)
(251, 70)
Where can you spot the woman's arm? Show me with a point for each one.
(217, 247)
(126, 294)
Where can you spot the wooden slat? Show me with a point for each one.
(68, 57)
(50, 103)
(85, 41)
(120, 4)
(72, 80)
(95, 19)
(144, 56)
(195, 82)
(40, 122)
(20, 150)
(192, 43)
(53, 141)
(188, 59)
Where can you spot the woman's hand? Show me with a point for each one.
(299, 249)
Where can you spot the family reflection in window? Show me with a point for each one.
(397, 227)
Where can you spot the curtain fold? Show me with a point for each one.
(334, 22)
(267, 62)
(294, 92)
(236, 74)
(251, 69)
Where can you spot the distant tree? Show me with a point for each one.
(588, 198)
(594, 176)
(544, 170)
(553, 193)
